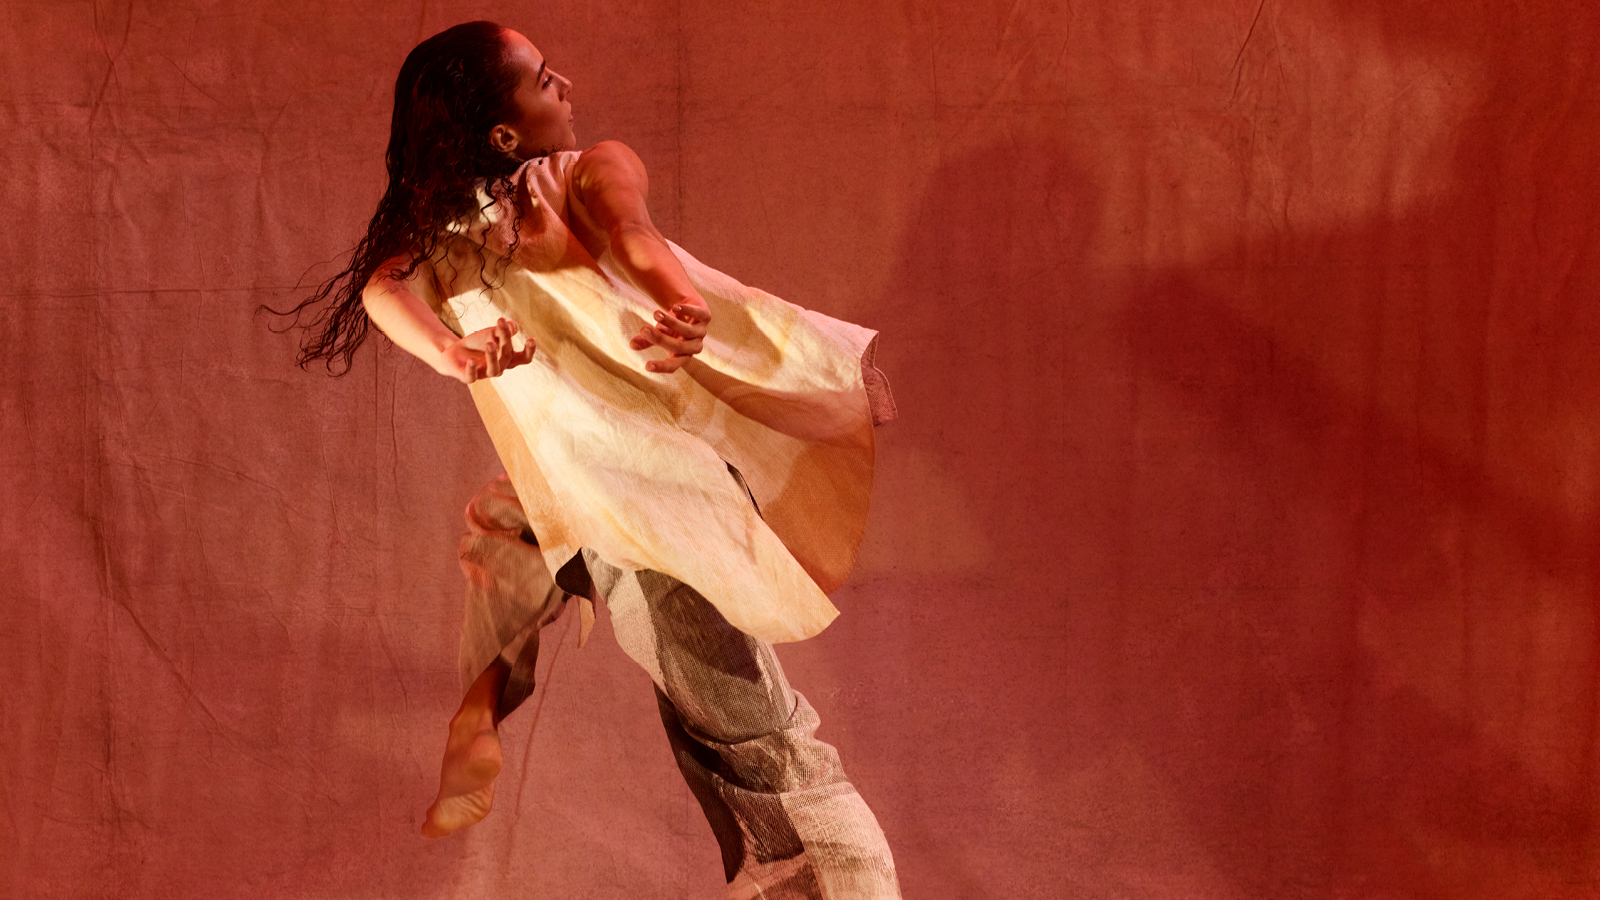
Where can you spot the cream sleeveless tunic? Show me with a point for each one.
(633, 465)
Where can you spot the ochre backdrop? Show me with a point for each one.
(1237, 540)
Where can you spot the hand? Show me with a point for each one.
(682, 334)
(485, 353)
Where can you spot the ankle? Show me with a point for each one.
(473, 718)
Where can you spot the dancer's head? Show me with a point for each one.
(471, 104)
(542, 120)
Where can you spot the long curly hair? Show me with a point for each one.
(452, 90)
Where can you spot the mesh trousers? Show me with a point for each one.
(787, 819)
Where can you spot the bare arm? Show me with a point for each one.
(611, 183)
(408, 321)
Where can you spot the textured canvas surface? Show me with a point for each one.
(1236, 539)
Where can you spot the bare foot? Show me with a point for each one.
(466, 779)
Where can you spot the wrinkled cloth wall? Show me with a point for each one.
(1237, 538)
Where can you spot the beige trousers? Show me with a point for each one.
(789, 823)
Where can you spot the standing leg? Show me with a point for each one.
(788, 821)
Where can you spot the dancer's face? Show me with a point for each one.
(541, 119)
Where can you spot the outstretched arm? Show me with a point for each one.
(611, 183)
(409, 322)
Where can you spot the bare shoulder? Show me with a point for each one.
(609, 164)
(610, 182)
(386, 276)
(400, 274)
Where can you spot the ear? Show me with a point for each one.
(503, 139)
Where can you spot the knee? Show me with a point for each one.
(497, 510)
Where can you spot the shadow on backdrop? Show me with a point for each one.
(1309, 513)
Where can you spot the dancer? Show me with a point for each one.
(692, 452)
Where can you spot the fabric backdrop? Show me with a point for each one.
(1237, 539)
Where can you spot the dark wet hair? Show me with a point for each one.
(452, 89)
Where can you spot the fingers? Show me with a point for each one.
(663, 336)
(491, 355)
(499, 354)
(498, 351)
(681, 334)
(666, 326)
(669, 365)
(692, 313)
(508, 357)
(687, 320)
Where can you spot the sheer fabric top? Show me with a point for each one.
(634, 465)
